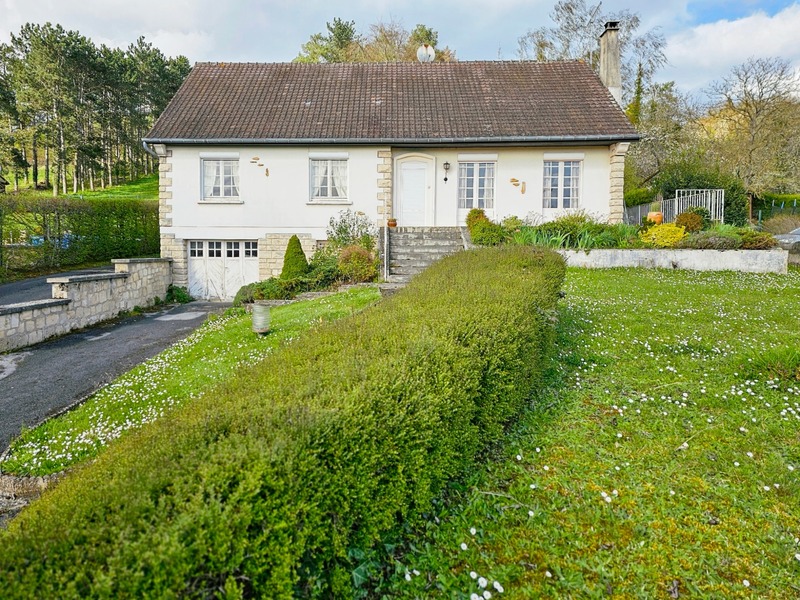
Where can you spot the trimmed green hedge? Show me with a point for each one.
(263, 487)
(71, 231)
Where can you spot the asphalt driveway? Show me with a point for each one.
(43, 380)
(37, 288)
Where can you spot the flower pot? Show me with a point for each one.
(655, 217)
(392, 222)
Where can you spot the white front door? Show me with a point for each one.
(414, 193)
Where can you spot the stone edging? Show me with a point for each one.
(747, 261)
(27, 487)
(17, 492)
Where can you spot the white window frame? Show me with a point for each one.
(213, 176)
(478, 185)
(326, 170)
(233, 249)
(214, 249)
(558, 187)
(251, 249)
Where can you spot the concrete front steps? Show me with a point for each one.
(413, 249)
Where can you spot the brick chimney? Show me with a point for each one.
(610, 73)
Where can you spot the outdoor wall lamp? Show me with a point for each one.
(446, 166)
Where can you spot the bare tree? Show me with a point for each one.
(755, 122)
(574, 35)
(666, 120)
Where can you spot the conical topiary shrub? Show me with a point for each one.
(294, 261)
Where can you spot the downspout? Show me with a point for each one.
(149, 150)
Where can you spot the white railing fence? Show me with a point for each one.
(712, 200)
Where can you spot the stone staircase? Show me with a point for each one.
(413, 249)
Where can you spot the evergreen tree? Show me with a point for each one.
(294, 260)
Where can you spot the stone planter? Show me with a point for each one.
(746, 261)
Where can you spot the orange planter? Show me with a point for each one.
(655, 217)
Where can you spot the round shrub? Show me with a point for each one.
(177, 295)
(486, 233)
(704, 215)
(357, 264)
(666, 235)
(475, 215)
(757, 240)
(513, 224)
(294, 261)
(690, 221)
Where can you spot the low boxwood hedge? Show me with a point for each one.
(264, 486)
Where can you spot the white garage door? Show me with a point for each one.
(217, 269)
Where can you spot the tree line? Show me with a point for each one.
(73, 114)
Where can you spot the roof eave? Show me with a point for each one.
(590, 140)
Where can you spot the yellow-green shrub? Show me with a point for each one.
(690, 221)
(666, 235)
(268, 484)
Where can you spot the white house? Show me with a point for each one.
(253, 153)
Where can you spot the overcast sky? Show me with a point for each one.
(705, 37)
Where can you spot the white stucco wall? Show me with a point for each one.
(274, 193)
(274, 203)
(526, 165)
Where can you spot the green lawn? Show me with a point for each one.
(216, 351)
(144, 188)
(663, 462)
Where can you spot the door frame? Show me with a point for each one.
(430, 180)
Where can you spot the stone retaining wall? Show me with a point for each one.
(84, 300)
(747, 261)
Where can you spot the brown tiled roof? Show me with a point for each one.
(435, 103)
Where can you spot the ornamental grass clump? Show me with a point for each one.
(274, 481)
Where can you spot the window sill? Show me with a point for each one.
(330, 202)
(221, 201)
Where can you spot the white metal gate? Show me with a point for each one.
(217, 269)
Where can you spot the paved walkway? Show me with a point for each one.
(45, 379)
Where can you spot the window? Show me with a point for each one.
(562, 183)
(328, 179)
(476, 185)
(220, 179)
(232, 249)
(196, 249)
(251, 249)
(214, 249)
